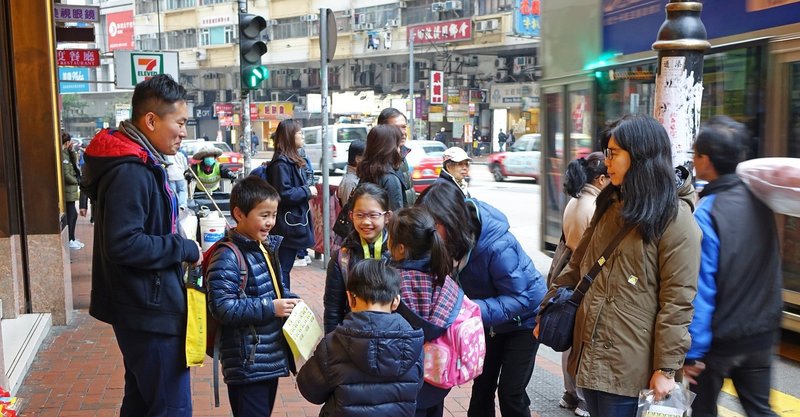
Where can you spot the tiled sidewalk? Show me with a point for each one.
(79, 373)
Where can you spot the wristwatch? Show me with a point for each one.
(667, 372)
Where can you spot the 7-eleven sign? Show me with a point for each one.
(146, 66)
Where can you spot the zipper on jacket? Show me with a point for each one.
(157, 288)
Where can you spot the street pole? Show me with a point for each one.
(411, 84)
(681, 45)
(326, 193)
(246, 128)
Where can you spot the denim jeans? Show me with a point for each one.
(751, 373)
(156, 376)
(610, 405)
(507, 368)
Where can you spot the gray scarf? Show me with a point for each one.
(137, 136)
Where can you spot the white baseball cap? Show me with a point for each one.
(455, 154)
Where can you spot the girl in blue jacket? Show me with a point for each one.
(496, 273)
(370, 213)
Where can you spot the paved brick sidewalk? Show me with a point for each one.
(79, 373)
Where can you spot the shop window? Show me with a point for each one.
(554, 138)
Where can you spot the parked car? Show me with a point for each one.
(521, 160)
(339, 137)
(424, 162)
(234, 161)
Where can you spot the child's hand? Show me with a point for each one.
(284, 306)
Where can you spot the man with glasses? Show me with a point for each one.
(455, 168)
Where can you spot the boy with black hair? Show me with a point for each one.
(253, 351)
(371, 365)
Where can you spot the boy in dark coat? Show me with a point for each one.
(253, 351)
(371, 365)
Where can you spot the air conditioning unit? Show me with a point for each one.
(188, 31)
(275, 96)
(480, 26)
(309, 18)
(361, 18)
(393, 23)
(492, 24)
(437, 7)
(402, 4)
(346, 13)
(500, 75)
(200, 54)
(272, 22)
(453, 5)
(358, 27)
(369, 26)
(500, 63)
(471, 61)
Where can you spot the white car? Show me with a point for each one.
(339, 138)
(521, 160)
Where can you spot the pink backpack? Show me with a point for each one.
(456, 357)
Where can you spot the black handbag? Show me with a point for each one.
(557, 319)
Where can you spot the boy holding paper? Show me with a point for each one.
(253, 350)
(371, 365)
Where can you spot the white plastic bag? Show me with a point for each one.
(775, 181)
(677, 404)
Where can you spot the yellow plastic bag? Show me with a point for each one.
(196, 327)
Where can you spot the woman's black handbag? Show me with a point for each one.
(557, 319)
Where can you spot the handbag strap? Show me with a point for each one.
(587, 279)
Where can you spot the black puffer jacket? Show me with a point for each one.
(252, 346)
(369, 366)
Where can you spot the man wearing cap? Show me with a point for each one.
(455, 168)
(209, 171)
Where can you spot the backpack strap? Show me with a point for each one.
(243, 269)
(344, 263)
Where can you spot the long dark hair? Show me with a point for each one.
(382, 153)
(649, 194)
(415, 229)
(445, 202)
(583, 171)
(285, 144)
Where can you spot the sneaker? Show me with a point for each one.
(307, 259)
(580, 410)
(300, 262)
(79, 243)
(568, 401)
(74, 245)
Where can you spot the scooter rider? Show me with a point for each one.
(209, 171)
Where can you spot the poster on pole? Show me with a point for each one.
(133, 67)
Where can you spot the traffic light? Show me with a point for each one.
(251, 47)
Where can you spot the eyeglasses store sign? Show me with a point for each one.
(76, 13)
(133, 67)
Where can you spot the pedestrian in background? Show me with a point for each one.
(631, 330)
(355, 154)
(176, 170)
(137, 262)
(440, 136)
(738, 307)
(286, 172)
(392, 116)
(584, 178)
(501, 140)
(497, 274)
(254, 143)
(72, 178)
(455, 168)
(381, 162)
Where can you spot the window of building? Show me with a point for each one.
(290, 28)
(180, 4)
(421, 11)
(229, 34)
(210, 2)
(205, 37)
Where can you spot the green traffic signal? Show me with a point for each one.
(253, 76)
(251, 48)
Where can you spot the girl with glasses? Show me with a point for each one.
(369, 215)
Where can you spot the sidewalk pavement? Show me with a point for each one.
(78, 371)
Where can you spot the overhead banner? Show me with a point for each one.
(120, 31)
(438, 32)
(520, 95)
(76, 13)
(134, 67)
(271, 110)
(78, 57)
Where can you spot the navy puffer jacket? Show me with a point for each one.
(369, 366)
(252, 345)
(499, 276)
(294, 216)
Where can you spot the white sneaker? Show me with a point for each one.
(74, 245)
(79, 242)
(307, 259)
(300, 262)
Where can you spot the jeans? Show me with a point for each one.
(179, 188)
(286, 257)
(156, 376)
(751, 373)
(602, 403)
(508, 368)
(253, 400)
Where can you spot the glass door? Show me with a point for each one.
(552, 197)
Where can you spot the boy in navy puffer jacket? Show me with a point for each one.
(371, 365)
(253, 351)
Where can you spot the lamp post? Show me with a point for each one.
(681, 44)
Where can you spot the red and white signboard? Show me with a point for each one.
(120, 31)
(437, 87)
(78, 57)
(439, 32)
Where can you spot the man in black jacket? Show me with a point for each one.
(137, 272)
(738, 305)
